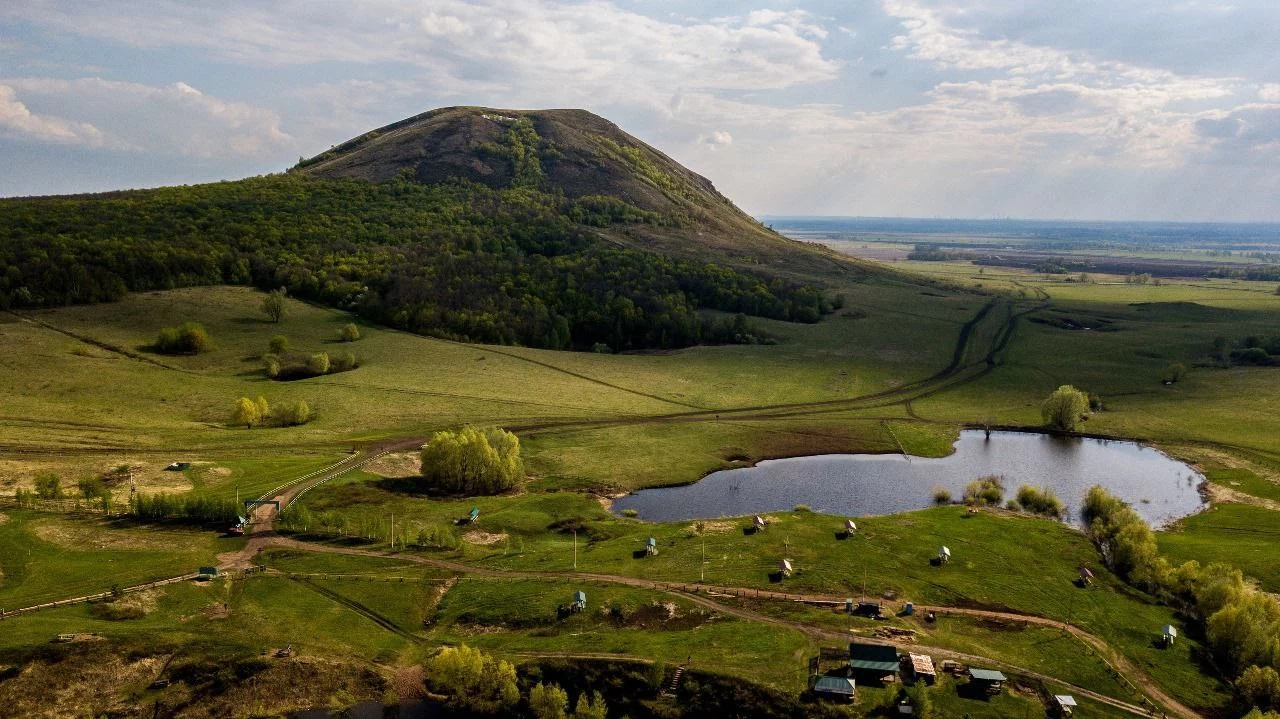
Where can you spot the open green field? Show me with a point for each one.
(45, 557)
(84, 394)
(1241, 535)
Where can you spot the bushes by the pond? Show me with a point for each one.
(1241, 623)
(984, 491)
(1039, 500)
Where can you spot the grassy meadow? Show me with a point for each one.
(84, 393)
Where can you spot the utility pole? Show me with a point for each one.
(575, 549)
(393, 531)
(703, 577)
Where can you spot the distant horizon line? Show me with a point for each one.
(901, 218)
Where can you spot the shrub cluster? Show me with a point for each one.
(188, 338)
(255, 413)
(1039, 500)
(472, 461)
(285, 365)
(983, 491)
(1251, 350)
(1241, 623)
(474, 681)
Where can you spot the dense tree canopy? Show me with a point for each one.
(453, 260)
(472, 461)
(474, 681)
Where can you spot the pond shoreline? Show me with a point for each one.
(1161, 487)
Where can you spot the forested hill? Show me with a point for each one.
(525, 260)
(579, 155)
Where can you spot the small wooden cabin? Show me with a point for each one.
(869, 609)
(1086, 576)
(922, 668)
(1170, 634)
(473, 515)
(651, 547)
(878, 662)
(989, 681)
(850, 526)
(579, 601)
(1065, 704)
(944, 555)
(838, 688)
(759, 523)
(785, 568)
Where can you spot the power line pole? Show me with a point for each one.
(575, 549)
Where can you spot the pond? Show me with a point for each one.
(1160, 489)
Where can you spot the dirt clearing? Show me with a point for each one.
(476, 536)
(397, 464)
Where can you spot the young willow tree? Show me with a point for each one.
(472, 461)
(273, 305)
(1065, 408)
(246, 412)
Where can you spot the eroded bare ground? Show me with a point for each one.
(148, 474)
(98, 679)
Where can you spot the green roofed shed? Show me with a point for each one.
(835, 686)
(986, 675)
(873, 658)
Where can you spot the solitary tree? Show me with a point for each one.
(264, 409)
(90, 487)
(319, 363)
(548, 701)
(1175, 372)
(299, 413)
(48, 486)
(278, 345)
(273, 305)
(349, 332)
(246, 412)
(1065, 408)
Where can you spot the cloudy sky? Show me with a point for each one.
(1141, 109)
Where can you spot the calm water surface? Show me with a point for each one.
(1161, 489)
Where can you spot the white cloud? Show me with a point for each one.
(717, 138)
(549, 42)
(18, 121)
(172, 119)
(1270, 92)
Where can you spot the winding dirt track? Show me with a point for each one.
(957, 372)
(699, 594)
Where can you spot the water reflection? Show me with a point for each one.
(1161, 489)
